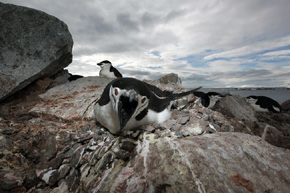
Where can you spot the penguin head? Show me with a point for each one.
(104, 63)
(214, 98)
(252, 99)
(127, 104)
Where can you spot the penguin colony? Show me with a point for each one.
(128, 103)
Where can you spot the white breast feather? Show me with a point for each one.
(105, 72)
(107, 117)
(258, 108)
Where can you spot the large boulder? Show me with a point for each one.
(286, 105)
(237, 107)
(220, 162)
(74, 99)
(33, 45)
(170, 78)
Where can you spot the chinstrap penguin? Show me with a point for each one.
(209, 99)
(108, 71)
(128, 103)
(264, 104)
(74, 77)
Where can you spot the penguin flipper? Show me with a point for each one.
(182, 94)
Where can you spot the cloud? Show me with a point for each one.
(208, 43)
(252, 49)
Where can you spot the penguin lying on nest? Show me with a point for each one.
(128, 103)
(264, 104)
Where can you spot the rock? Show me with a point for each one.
(199, 166)
(74, 99)
(170, 78)
(37, 45)
(62, 188)
(56, 147)
(274, 128)
(286, 105)
(10, 180)
(237, 107)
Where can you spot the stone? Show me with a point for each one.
(10, 179)
(235, 106)
(196, 150)
(62, 188)
(37, 45)
(73, 99)
(31, 179)
(220, 162)
(170, 78)
(286, 105)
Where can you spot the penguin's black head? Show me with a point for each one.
(104, 63)
(252, 99)
(127, 100)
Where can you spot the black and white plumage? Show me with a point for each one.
(128, 103)
(209, 99)
(264, 104)
(108, 71)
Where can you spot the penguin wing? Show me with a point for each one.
(157, 103)
(157, 91)
(116, 72)
(198, 94)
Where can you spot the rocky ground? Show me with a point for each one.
(197, 150)
(49, 141)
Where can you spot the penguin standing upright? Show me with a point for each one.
(108, 71)
(264, 104)
(128, 103)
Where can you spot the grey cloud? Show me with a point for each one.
(249, 73)
(126, 22)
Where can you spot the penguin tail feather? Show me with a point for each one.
(176, 96)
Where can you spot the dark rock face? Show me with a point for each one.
(272, 127)
(33, 45)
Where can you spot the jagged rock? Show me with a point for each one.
(286, 105)
(74, 99)
(220, 162)
(235, 106)
(170, 78)
(10, 179)
(49, 151)
(37, 45)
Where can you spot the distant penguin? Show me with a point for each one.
(108, 71)
(74, 77)
(264, 104)
(208, 99)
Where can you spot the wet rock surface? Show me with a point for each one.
(23, 58)
(196, 150)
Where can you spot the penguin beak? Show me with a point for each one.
(126, 108)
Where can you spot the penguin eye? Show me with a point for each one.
(143, 100)
(116, 92)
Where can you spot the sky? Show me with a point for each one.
(209, 43)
